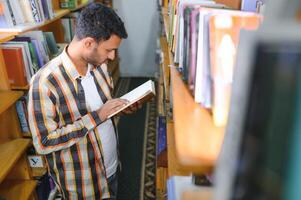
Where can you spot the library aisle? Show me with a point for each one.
(224, 122)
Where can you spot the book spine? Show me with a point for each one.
(22, 116)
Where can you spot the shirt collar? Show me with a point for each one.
(70, 67)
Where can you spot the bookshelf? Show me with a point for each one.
(193, 140)
(19, 29)
(10, 152)
(7, 99)
(197, 139)
(15, 174)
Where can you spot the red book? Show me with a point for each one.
(15, 67)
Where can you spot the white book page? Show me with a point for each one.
(137, 94)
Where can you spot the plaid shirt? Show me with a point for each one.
(65, 130)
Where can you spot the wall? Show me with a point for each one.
(137, 52)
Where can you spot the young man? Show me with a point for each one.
(69, 101)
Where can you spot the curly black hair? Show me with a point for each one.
(99, 22)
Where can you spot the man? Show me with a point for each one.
(69, 101)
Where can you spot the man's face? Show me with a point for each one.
(102, 52)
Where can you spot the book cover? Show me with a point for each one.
(15, 67)
(224, 37)
(51, 43)
(161, 134)
(26, 7)
(22, 116)
(33, 54)
(26, 56)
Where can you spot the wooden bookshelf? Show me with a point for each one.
(17, 189)
(8, 98)
(10, 152)
(197, 139)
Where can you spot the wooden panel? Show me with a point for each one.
(17, 190)
(235, 4)
(10, 152)
(8, 98)
(56, 4)
(21, 170)
(9, 125)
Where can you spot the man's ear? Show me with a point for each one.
(88, 42)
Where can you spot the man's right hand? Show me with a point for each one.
(110, 107)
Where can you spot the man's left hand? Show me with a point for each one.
(132, 108)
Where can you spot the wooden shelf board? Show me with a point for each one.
(8, 98)
(79, 6)
(4, 37)
(20, 87)
(19, 29)
(10, 152)
(17, 189)
(174, 167)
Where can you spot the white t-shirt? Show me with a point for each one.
(105, 129)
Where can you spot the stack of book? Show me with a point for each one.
(204, 36)
(26, 54)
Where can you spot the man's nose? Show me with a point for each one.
(111, 55)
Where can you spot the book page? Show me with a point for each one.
(139, 93)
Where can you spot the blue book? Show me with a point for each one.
(161, 134)
(21, 111)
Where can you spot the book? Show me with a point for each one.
(15, 66)
(224, 30)
(140, 94)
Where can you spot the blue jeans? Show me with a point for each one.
(113, 185)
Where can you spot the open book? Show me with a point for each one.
(140, 94)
